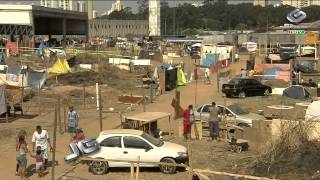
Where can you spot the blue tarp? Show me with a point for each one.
(35, 79)
(211, 58)
(40, 50)
(272, 72)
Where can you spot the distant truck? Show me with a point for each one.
(243, 87)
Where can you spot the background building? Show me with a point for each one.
(300, 3)
(117, 28)
(62, 4)
(154, 18)
(262, 3)
(80, 6)
(117, 6)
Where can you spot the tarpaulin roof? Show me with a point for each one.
(148, 116)
(296, 92)
(61, 66)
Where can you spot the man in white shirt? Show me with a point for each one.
(41, 139)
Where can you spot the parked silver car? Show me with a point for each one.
(234, 114)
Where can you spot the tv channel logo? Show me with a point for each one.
(296, 16)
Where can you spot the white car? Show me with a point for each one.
(235, 114)
(128, 144)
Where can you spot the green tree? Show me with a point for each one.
(241, 27)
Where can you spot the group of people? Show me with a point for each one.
(40, 142)
(41, 145)
(189, 119)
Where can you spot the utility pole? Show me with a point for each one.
(54, 141)
(218, 69)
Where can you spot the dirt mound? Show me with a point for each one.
(112, 76)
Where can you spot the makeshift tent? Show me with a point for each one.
(13, 73)
(181, 78)
(60, 66)
(296, 92)
(2, 59)
(313, 112)
(170, 79)
(211, 58)
(36, 79)
(3, 105)
(271, 73)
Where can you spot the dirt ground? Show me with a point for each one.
(205, 155)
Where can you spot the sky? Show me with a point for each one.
(104, 5)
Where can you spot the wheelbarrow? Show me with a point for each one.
(238, 145)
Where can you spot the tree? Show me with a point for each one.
(143, 9)
(241, 27)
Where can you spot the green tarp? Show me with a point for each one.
(181, 78)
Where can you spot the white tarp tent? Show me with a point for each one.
(313, 112)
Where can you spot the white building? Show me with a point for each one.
(300, 3)
(117, 6)
(94, 14)
(81, 6)
(154, 18)
(262, 3)
(71, 5)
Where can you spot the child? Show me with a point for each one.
(22, 133)
(39, 162)
(79, 135)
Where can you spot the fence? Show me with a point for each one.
(135, 176)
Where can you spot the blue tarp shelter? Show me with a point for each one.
(211, 58)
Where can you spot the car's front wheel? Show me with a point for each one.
(98, 167)
(167, 169)
(242, 94)
(266, 92)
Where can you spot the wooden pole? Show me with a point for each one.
(131, 171)
(54, 141)
(100, 110)
(39, 98)
(59, 115)
(138, 169)
(84, 97)
(7, 113)
(97, 95)
(65, 118)
(22, 92)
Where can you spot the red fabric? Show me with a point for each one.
(79, 136)
(186, 122)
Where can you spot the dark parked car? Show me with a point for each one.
(243, 87)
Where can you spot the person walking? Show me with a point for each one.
(22, 157)
(73, 119)
(187, 122)
(207, 75)
(213, 121)
(22, 133)
(41, 138)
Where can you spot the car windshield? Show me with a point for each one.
(237, 109)
(152, 140)
(235, 81)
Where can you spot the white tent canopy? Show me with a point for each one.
(313, 112)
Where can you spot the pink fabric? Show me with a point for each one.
(283, 75)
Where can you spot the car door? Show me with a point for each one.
(231, 116)
(258, 89)
(111, 148)
(135, 146)
(204, 114)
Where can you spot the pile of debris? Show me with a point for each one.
(293, 151)
(109, 75)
